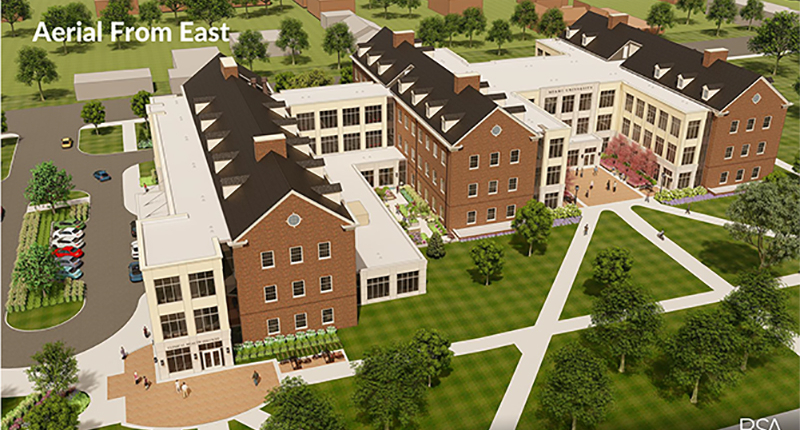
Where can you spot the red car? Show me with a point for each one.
(68, 251)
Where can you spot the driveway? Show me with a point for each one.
(110, 298)
(736, 46)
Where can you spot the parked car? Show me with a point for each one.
(68, 251)
(101, 175)
(63, 242)
(70, 261)
(66, 142)
(71, 222)
(133, 228)
(69, 232)
(134, 273)
(135, 250)
(71, 272)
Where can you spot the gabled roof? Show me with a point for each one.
(656, 50)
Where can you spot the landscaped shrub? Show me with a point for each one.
(570, 210)
(436, 246)
(79, 399)
(80, 212)
(668, 195)
(21, 409)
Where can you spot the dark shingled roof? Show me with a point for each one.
(656, 50)
(242, 113)
(427, 74)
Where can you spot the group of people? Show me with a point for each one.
(182, 389)
(137, 380)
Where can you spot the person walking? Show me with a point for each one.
(688, 209)
(146, 383)
(177, 386)
(146, 332)
(615, 186)
(146, 189)
(647, 197)
(256, 378)
(581, 172)
(586, 229)
(595, 170)
(608, 184)
(185, 390)
(122, 352)
(136, 377)
(591, 185)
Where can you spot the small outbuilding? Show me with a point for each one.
(444, 7)
(362, 29)
(186, 62)
(317, 7)
(117, 83)
(269, 37)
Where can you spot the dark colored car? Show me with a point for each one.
(133, 228)
(101, 175)
(68, 251)
(70, 261)
(134, 273)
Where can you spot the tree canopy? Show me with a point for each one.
(117, 11)
(172, 5)
(533, 222)
(661, 16)
(754, 9)
(295, 405)
(473, 21)
(93, 113)
(488, 258)
(525, 15)
(339, 40)
(66, 16)
(209, 11)
(690, 7)
(139, 103)
(48, 185)
(612, 265)
(500, 33)
(150, 12)
(293, 37)
(432, 31)
(722, 11)
(15, 10)
(54, 368)
(36, 268)
(436, 246)
(777, 36)
(452, 26)
(34, 66)
(250, 47)
(551, 24)
(54, 413)
(409, 4)
(435, 349)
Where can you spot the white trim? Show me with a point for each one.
(727, 175)
(262, 260)
(487, 214)
(322, 316)
(301, 255)
(516, 184)
(320, 284)
(785, 102)
(496, 187)
(737, 174)
(770, 122)
(295, 321)
(265, 294)
(498, 159)
(270, 333)
(330, 251)
(765, 147)
(478, 166)
(510, 158)
(476, 217)
(476, 190)
(294, 296)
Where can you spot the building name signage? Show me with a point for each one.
(571, 89)
(192, 343)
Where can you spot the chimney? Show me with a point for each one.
(228, 67)
(616, 18)
(462, 81)
(713, 54)
(399, 37)
(263, 145)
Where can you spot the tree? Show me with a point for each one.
(612, 265)
(339, 40)
(796, 85)
(15, 10)
(173, 5)
(625, 320)
(473, 21)
(452, 25)
(552, 23)
(36, 269)
(777, 36)
(117, 11)
(139, 103)
(533, 222)
(311, 78)
(722, 11)
(760, 311)
(690, 7)
(661, 16)
(48, 185)
(764, 207)
(295, 405)
(525, 16)
(54, 413)
(150, 12)
(409, 4)
(292, 36)
(578, 388)
(209, 11)
(500, 33)
(705, 349)
(435, 348)
(93, 113)
(5, 124)
(284, 80)
(346, 74)
(385, 5)
(78, 12)
(488, 257)
(54, 368)
(390, 386)
(245, 4)
(436, 246)
(754, 9)
(432, 31)
(250, 47)
(58, 16)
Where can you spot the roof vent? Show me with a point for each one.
(661, 70)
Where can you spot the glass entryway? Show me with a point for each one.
(211, 355)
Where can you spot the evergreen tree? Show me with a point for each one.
(435, 246)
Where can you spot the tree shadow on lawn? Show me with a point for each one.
(52, 94)
(73, 48)
(124, 46)
(478, 278)
(729, 257)
(261, 11)
(476, 44)
(521, 246)
(592, 287)
(299, 60)
(19, 32)
(785, 68)
(102, 131)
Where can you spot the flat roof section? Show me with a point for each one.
(186, 62)
(114, 75)
(382, 242)
(194, 217)
(331, 93)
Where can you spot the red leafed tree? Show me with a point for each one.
(639, 160)
(651, 164)
(613, 146)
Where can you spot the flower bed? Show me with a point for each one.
(567, 211)
(670, 195)
(560, 222)
(416, 236)
(298, 344)
(436, 226)
(697, 198)
(13, 419)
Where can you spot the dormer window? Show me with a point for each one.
(404, 85)
(383, 67)
(683, 81)
(661, 70)
(587, 39)
(418, 96)
(572, 32)
(432, 107)
(709, 92)
(449, 121)
(363, 50)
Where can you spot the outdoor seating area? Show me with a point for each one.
(413, 214)
(316, 360)
(288, 347)
(598, 187)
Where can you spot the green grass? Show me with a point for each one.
(784, 80)
(9, 403)
(652, 268)
(458, 303)
(145, 176)
(236, 425)
(768, 387)
(7, 152)
(46, 221)
(713, 207)
(466, 398)
(44, 317)
(75, 194)
(107, 140)
(794, 302)
(711, 244)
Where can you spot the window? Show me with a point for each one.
(326, 284)
(688, 157)
(553, 175)
(683, 179)
(603, 122)
(572, 157)
(351, 116)
(273, 326)
(723, 178)
(675, 129)
(435, 147)
(324, 250)
(568, 122)
(327, 119)
(739, 175)
(767, 122)
(512, 184)
(663, 118)
(606, 98)
(443, 158)
(296, 254)
(494, 159)
(511, 210)
(168, 290)
(626, 127)
(369, 175)
(671, 150)
(327, 316)
(728, 152)
(751, 124)
(693, 129)
(582, 126)
(435, 176)
(414, 129)
(648, 139)
(651, 114)
(568, 104)
(372, 114)
(491, 214)
(330, 144)
(639, 108)
(471, 217)
(637, 133)
(399, 116)
(473, 161)
(270, 293)
(628, 103)
(514, 158)
(427, 141)
(556, 148)
(206, 319)
(352, 142)
(179, 359)
(374, 138)
(756, 172)
(734, 126)
(762, 146)
(300, 321)
(551, 200)
(472, 190)
(745, 150)
(405, 121)
(386, 175)
(585, 102)
(267, 259)
(407, 282)
(298, 288)
(659, 149)
(173, 325)
(550, 105)
(492, 187)
(202, 284)
(305, 121)
(377, 287)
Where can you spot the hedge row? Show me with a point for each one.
(10, 418)
(74, 290)
(79, 212)
(18, 293)
(570, 210)
(667, 195)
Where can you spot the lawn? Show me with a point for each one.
(784, 80)
(652, 268)
(466, 398)
(46, 220)
(236, 425)
(106, 140)
(10, 403)
(713, 207)
(145, 173)
(794, 302)
(44, 317)
(711, 244)
(458, 303)
(768, 387)
(7, 150)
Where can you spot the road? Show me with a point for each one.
(110, 298)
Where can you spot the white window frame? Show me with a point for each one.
(477, 164)
(737, 174)
(262, 260)
(515, 211)
(734, 127)
(747, 127)
(759, 152)
(490, 159)
(768, 120)
(496, 186)
(745, 153)
(294, 296)
(516, 184)
(725, 176)
(290, 255)
(320, 284)
(474, 217)
(494, 218)
(511, 156)
(305, 315)
(472, 196)
(279, 326)
(319, 249)
(265, 294)
(322, 316)
(727, 157)
(755, 173)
